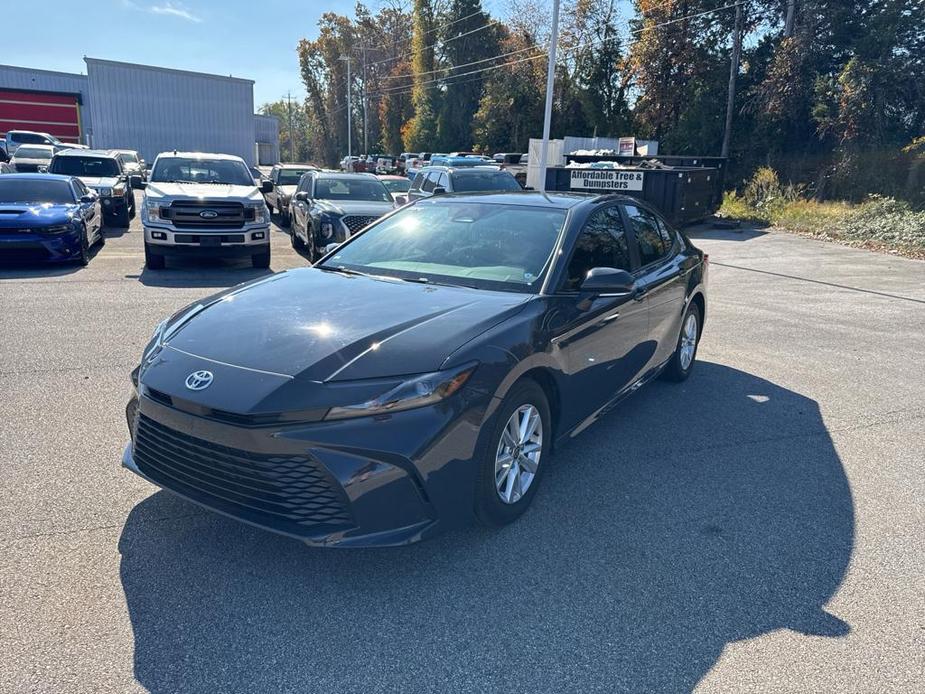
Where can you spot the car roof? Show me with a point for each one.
(527, 198)
(87, 153)
(200, 155)
(36, 176)
(393, 177)
(126, 151)
(340, 174)
(296, 166)
(37, 144)
(479, 168)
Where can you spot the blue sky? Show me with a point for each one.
(255, 39)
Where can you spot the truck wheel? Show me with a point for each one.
(131, 205)
(285, 219)
(261, 260)
(153, 261)
(121, 218)
(270, 207)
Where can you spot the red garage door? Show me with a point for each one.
(47, 112)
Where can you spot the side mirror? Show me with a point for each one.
(89, 198)
(401, 200)
(266, 186)
(135, 182)
(439, 190)
(43, 169)
(608, 280)
(301, 196)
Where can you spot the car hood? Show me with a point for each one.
(30, 160)
(326, 326)
(30, 214)
(99, 181)
(205, 191)
(344, 207)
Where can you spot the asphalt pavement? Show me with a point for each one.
(759, 528)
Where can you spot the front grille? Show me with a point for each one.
(187, 214)
(287, 492)
(22, 255)
(355, 222)
(208, 239)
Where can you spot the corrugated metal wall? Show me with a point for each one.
(12, 77)
(267, 134)
(155, 110)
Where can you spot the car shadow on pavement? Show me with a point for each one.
(201, 272)
(693, 516)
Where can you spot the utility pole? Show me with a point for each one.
(550, 82)
(733, 73)
(291, 134)
(365, 138)
(346, 58)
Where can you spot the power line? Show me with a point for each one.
(444, 42)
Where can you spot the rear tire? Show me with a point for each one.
(84, 258)
(685, 354)
(121, 218)
(505, 490)
(295, 239)
(261, 260)
(153, 261)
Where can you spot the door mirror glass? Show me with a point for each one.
(301, 196)
(608, 280)
(266, 186)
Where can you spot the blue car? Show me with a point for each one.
(48, 217)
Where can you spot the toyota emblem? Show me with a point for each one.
(208, 214)
(199, 380)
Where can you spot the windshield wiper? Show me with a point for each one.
(343, 270)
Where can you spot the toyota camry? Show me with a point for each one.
(420, 375)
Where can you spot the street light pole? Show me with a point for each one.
(291, 136)
(733, 72)
(550, 82)
(349, 119)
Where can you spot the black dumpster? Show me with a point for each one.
(683, 160)
(683, 194)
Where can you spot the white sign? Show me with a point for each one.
(606, 179)
(626, 146)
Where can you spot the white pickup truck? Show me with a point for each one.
(198, 204)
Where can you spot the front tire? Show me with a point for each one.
(685, 354)
(261, 260)
(153, 261)
(513, 456)
(121, 218)
(84, 258)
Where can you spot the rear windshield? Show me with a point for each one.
(129, 157)
(290, 177)
(190, 170)
(351, 189)
(85, 166)
(484, 180)
(35, 190)
(397, 185)
(30, 152)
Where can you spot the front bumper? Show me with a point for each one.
(370, 481)
(225, 243)
(39, 247)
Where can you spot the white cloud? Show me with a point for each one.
(174, 10)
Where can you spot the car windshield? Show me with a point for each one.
(484, 180)
(35, 190)
(32, 152)
(290, 177)
(351, 189)
(466, 243)
(397, 185)
(85, 166)
(193, 170)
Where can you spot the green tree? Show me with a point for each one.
(421, 130)
(299, 135)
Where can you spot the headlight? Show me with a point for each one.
(261, 213)
(56, 229)
(151, 210)
(415, 392)
(118, 190)
(105, 192)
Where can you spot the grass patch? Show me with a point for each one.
(878, 223)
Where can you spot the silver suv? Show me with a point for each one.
(199, 204)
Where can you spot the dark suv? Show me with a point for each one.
(436, 180)
(101, 170)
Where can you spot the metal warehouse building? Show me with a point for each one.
(149, 109)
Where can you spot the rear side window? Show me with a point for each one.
(652, 238)
(416, 183)
(429, 182)
(601, 243)
(443, 181)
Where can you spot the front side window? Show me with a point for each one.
(194, 170)
(601, 243)
(473, 244)
(95, 167)
(653, 245)
(430, 182)
(443, 182)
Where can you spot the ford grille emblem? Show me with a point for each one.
(208, 214)
(199, 380)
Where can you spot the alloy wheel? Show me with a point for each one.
(518, 454)
(688, 340)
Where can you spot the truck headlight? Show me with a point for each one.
(118, 190)
(105, 192)
(151, 210)
(261, 213)
(415, 392)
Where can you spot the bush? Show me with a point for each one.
(885, 221)
(762, 189)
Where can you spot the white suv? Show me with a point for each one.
(198, 204)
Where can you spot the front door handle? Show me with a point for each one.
(640, 293)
